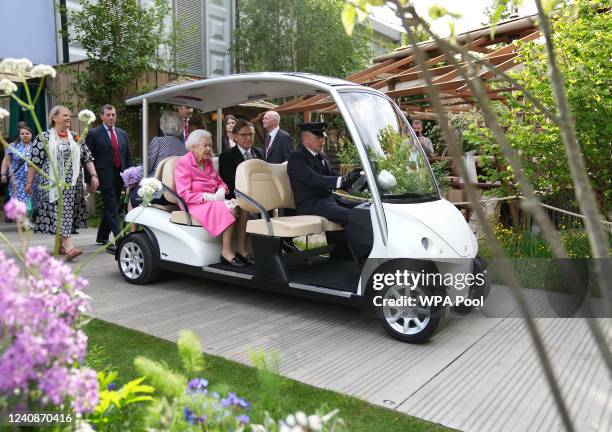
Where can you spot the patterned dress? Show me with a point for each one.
(75, 212)
(19, 171)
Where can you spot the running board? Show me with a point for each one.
(320, 290)
(227, 273)
(294, 285)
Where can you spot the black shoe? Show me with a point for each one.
(101, 242)
(288, 246)
(111, 249)
(247, 259)
(235, 262)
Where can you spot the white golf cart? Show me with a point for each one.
(403, 217)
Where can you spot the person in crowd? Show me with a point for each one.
(228, 135)
(161, 148)
(184, 113)
(204, 191)
(110, 148)
(65, 156)
(196, 121)
(313, 179)
(244, 134)
(278, 144)
(14, 168)
(426, 144)
(168, 145)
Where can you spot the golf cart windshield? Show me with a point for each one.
(399, 165)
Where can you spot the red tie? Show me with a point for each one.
(185, 129)
(115, 144)
(267, 144)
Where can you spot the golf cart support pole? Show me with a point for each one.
(219, 130)
(145, 138)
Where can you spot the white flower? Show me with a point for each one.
(3, 113)
(7, 86)
(151, 182)
(258, 428)
(315, 423)
(8, 66)
(290, 420)
(301, 419)
(87, 116)
(22, 65)
(42, 70)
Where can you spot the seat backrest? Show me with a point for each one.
(266, 183)
(167, 175)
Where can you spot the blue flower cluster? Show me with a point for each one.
(226, 411)
(234, 401)
(197, 385)
(192, 418)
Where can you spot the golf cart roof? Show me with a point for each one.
(210, 94)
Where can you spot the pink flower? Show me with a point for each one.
(15, 209)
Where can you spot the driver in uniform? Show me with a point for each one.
(313, 179)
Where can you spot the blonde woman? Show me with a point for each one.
(68, 156)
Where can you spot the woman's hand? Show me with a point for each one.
(3, 178)
(220, 194)
(95, 184)
(207, 196)
(28, 189)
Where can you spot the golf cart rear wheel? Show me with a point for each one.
(416, 323)
(137, 261)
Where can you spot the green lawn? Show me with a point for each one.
(115, 347)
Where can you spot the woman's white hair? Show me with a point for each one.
(194, 138)
(170, 123)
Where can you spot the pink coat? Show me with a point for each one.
(191, 183)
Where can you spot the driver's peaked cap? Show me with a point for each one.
(315, 128)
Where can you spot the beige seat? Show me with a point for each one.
(268, 184)
(165, 173)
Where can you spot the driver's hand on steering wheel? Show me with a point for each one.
(350, 179)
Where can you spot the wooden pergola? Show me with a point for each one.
(398, 75)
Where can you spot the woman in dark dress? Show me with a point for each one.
(69, 156)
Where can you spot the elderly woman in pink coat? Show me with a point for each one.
(200, 186)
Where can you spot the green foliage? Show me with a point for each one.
(190, 350)
(168, 382)
(268, 372)
(298, 35)
(441, 171)
(581, 42)
(122, 40)
(348, 153)
(401, 160)
(110, 414)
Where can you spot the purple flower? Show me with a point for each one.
(243, 419)
(132, 176)
(15, 209)
(84, 388)
(41, 346)
(192, 418)
(112, 386)
(234, 401)
(197, 385)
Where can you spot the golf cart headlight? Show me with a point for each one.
(430, 246)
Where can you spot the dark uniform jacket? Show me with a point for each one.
(311, 180)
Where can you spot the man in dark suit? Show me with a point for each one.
(313, 178)
(278, 144)
(111, 151)
(244, 133)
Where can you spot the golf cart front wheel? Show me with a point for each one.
(412, 323)
(137, 260)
